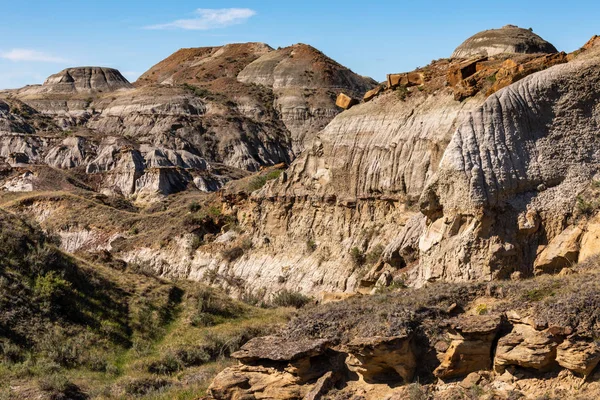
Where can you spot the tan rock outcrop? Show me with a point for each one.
(405, 79)
(463, 70)
(590, 240)
(381, 359)
(371, 94)
(580, 356)
(256, 382)
(470, 348)
(275, 348)
(527, 348)
(561, 252)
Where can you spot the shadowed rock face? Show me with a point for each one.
(508, 39)
(85, 79)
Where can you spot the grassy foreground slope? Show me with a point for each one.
(75, 328)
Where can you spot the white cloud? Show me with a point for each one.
(30, 55)
(209, 19)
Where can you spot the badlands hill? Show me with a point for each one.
(187, 122)
(450, 218)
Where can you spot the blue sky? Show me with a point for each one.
(370, 37)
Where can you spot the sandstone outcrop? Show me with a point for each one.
(405, 79)
(508, 39)
(561, 252)
(470, 349)
(580, 357)
(273, 367)
(383, 344)
(527, 348)
(382, 359)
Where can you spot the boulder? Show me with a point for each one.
(394, 80)
(580, 357)
(405, 79)
(526, 347)
(344, 101)
(372, 93)
(273, 348)
(470, 347)
(382, 359)
(256, 382)
(463, 70)
(561, 252)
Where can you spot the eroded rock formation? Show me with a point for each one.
(508, 39)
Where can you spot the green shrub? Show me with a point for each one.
(168, 364)
(402, 92)
(198, 91)
(11, 353)
(194, 206)
(586, 207)
(59, 387)
(259, 181)
(357, 256)
(144, 386)
(214, 211)
(195, 243)
(234, 252)
(288, 298)
(538, 294)
(311, 246)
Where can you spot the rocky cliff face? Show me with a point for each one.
(371, 201)
(510, 178)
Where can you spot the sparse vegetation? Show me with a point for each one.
(586, 207)
(481, 309)
(259, 181)
(73, 330)
(357, 256)
(288, 298)
(402, 92)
